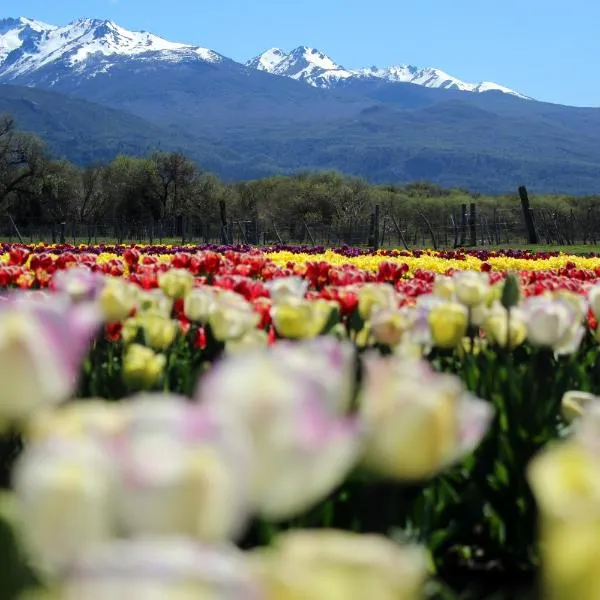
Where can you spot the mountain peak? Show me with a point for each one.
(87, 44)
(302, 63)
(317, 69)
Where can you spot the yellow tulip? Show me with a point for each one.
(471, 287)
(418, 422)
(176, 283)
(142, 367)
(154, 301)
(448, 324)
(297, 318)
(130, 330)
(339, 565)
(496, 327)
(159, 332)
(117, 300)
(374, 296)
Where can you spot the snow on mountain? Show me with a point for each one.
(303, 63)
(87, 47)
(317, 69)
(15, 32)
(27, 45)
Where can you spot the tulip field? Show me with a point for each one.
(298, 423)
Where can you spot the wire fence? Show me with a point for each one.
(443, 229)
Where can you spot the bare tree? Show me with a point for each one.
(178, 176)
(22, 158)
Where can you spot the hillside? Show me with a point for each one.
(109, 90)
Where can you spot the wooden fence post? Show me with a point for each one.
(532, 235)
(223, 215)
(473, 224)
(376, 227)
(463, 224)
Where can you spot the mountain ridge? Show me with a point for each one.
(31, 45)
(318, 69)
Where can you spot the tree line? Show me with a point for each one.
(36, 187)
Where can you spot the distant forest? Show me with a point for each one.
(36, 188)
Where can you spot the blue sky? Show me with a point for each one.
(548, 49)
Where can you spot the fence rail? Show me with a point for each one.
(465, 227)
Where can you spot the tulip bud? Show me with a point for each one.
(511, 292)
(407, 405)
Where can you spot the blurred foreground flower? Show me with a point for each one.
(419, 422)
(339, 565)
(183, 470)
(80, 284)
(152, 465)
(289, 401)
(42, 346)
(160, 568)
(65, 489)
(565, 479)
(574, 404)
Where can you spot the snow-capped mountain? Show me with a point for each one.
(90, 45)
(319, 70)
(36, 53)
